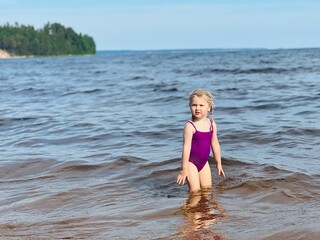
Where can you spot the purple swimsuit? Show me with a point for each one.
(200, 147)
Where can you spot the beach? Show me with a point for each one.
(4, 54)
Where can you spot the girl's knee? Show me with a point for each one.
(194, 185)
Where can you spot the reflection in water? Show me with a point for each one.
(201, 211)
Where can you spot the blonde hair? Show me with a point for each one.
(206, 95)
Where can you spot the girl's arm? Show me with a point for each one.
(215, 145)
(187, 139)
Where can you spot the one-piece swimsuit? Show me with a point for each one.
(200, 147)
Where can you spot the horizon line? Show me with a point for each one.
(203, 49)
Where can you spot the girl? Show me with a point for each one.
(198, 136)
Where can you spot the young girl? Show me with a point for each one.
(198, 136)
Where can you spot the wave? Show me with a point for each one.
(237, 71)
(76, 194)
(242, 177)
(17, 119)
(90, 91)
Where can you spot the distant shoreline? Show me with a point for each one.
(4, 54)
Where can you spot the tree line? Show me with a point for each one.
(52, 39)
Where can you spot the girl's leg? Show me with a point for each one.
(205, 177)
(193, 179)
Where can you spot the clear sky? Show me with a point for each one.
(177, 24)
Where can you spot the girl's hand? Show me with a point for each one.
(183, 175)
(220, 171)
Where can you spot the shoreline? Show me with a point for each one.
(4, 54)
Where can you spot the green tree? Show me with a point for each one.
(52, 39)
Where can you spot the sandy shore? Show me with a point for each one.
(4, 54)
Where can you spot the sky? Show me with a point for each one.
(177, 24)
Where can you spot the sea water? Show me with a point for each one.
(91, 145)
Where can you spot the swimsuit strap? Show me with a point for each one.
(193, 125)
(211, 127)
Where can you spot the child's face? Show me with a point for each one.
(199, 107)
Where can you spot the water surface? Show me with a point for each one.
(91, 146)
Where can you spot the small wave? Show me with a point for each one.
(92, 91)
(165, 88)
(80, 168)
(174, 89)
(266, 70)
(255, 137)
(130, 187)
(303, 113)
(100, 72)
(24, 171)
(20, 119)
(243, 177)
(83, 92)
(266, 183)
(141, 78)
(125, 161)
(299, 132)
(25, 89)
(268, 106)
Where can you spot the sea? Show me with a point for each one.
(90, 146)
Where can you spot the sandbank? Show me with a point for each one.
(4, 54)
